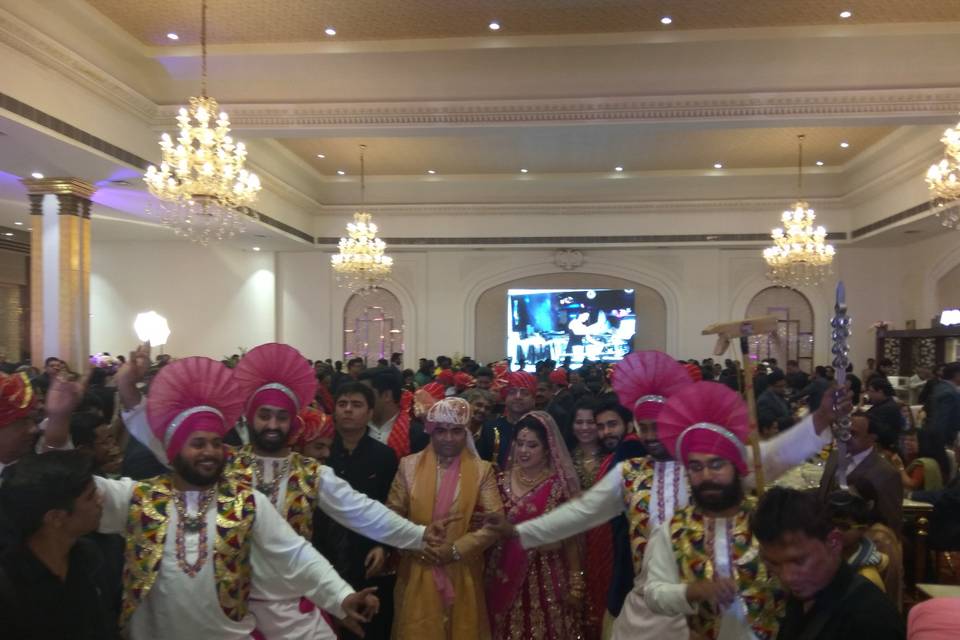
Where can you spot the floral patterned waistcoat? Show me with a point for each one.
(149, 515)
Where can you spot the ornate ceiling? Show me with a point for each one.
(289, 21)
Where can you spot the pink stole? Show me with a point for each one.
(441, 509)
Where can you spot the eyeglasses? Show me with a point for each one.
(716, 464)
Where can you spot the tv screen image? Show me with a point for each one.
(582, 324)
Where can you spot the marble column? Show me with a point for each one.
(60, 270)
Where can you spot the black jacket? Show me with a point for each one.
(36, 605)
(849, 607)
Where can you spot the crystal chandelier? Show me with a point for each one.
(799, 255)
(361, 265)
(202, 181)
(943, 179)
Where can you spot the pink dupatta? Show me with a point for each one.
(441, 509)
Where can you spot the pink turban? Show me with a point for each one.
(644, 380)
(706, 417)
(191, 395)
(277, 375)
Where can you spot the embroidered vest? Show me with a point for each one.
(690, 531)
(147, 523)
(637, 481)
(301, 497)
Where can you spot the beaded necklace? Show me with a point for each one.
(272, 488)
(194, 524)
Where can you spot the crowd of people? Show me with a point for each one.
(268, 496)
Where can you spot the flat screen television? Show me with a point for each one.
(582, 324)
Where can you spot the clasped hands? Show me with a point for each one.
(436, 549)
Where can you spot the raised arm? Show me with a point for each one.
(366, 516)
(599, 504)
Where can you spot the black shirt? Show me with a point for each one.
(37, 605)
(369, 469)
(849, 607)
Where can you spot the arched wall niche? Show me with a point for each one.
(373, 326)
(795, 327)
(491, 309)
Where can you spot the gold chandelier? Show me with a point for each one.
(361, 265)
(799, 255)
(943, 179)
(202, 181)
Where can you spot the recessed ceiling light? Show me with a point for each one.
(341, 172)
(819, 163)
(18, 223)
(29, 228)
(36, 175)
(330, 31)
(321, 156)
(844, 144)
(8, 234)
(846, 14)
(256, 248)
(717, 165)
(524, 170)
(618, 168)
(494, 26)
(431, 171)
(666, 20)
(172, 36)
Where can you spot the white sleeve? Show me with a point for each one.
(135, 420)
(371, 519)
(790, 448)
(599, 504)
(291, 556)
(116, 503)
(663, 591)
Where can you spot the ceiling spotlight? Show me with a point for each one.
(36, 175)
(844, 144)
(321, 156)
(256, 248)
(618, 169)
(846, 14)
(341, 172)
(666, 20)
(8, 234)
(330, 31)
(524, 170)
(717, 165)
(431, 171)
(18, 223)
(819, 163)
(494, 26)
(172, 36)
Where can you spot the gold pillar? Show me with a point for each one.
(60, 270)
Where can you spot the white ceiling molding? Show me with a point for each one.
(887, 105)
(24, 38)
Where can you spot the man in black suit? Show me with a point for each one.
(885, 409)
(944, 416)
(772, 403)
(869, 473)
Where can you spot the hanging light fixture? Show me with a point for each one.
(799, 255)
(361, 264)
(202, 181)
(943, 179)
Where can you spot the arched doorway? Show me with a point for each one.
(372, 326)
(795, 326)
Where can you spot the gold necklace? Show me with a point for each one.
(272, 488)
(526, 481)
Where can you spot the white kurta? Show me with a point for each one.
(665, 594)
(179, 606)
(277, 609)
(605, 500)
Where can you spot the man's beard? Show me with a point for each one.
(260, 440)
(196, 477)
(730, 495)
(610, 444)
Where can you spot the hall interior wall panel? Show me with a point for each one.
(215, 299)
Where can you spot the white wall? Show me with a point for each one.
(215, 299)
(218, 299)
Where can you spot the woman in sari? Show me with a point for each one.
(588, 453)
(536, 593)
